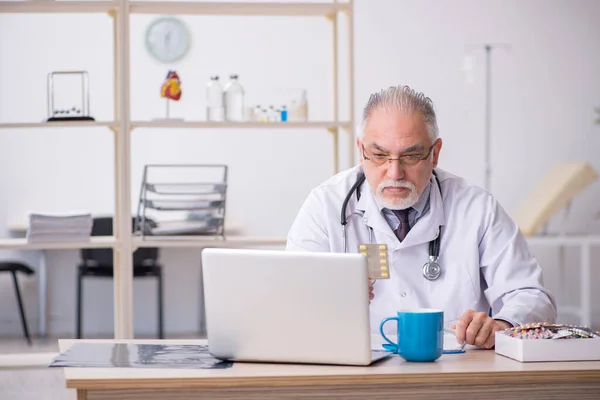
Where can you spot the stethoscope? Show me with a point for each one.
(431, 269)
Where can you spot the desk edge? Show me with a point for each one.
(329, 380)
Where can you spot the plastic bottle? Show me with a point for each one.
(272, 114)
(299, 108)
(264, 115)
(257, 114)
(234, 100)
(284, 114)
(214, 100)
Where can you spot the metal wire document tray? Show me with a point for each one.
(184, 199)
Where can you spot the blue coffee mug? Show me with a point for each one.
(420, 334)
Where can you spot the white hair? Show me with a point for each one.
(401, 98)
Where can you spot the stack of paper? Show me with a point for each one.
(68, 227)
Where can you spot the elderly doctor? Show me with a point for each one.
(406, 202)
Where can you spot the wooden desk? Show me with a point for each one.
(474, 375)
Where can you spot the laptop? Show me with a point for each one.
(288, 307)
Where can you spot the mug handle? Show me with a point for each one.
(392, 346)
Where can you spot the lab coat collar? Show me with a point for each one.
(426, 229)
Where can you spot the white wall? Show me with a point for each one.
(544, 91)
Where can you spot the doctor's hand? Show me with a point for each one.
(478, 329)
(371, 294)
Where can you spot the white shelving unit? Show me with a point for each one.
(123, 242)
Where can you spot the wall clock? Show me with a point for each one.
(168, 39)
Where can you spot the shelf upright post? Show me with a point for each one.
(123, 254)
(335, 94)
(352, 125)
(115, 129)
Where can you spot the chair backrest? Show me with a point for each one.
(103, 226)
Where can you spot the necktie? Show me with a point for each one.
(404, 227)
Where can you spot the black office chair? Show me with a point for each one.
(99, 263)
(13, 268)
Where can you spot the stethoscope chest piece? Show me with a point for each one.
(431, 269)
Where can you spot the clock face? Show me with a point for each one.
(167, 39)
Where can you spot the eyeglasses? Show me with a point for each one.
(378, 159)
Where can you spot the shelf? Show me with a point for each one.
(240, 9)
(96, 242)
(207, 241)
(563, 240)
(104, 242)
(176, 8)
(181, 124)
(57, 124)
(50, 6)
(239, 125)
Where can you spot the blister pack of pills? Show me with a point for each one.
(543, 330)
(377, 260)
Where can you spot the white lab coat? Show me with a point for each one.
(485, 260)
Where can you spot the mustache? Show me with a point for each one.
(391, 183)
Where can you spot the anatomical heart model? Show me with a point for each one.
(171, 89)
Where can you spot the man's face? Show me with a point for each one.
(397, 184)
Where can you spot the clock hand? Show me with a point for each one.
(167, 38)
